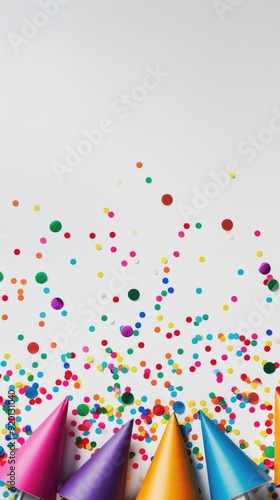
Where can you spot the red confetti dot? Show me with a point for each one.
(158, 410)
(92, 236)
(5, 298)
(167, 199)
(17, 251)
(67, 235)
(112, 234)
(116, 299)
(227, 224)
(33, 347)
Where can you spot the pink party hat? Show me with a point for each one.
(103, 476)
(231, 473)
(38, 460)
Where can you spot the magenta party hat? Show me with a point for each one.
(38, 460)
(103, 476)
(230, 472)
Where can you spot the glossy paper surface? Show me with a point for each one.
(169, 476)
(103, 476)
(230, 472)
(38, 460)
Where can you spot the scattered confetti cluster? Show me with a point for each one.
(90, 314)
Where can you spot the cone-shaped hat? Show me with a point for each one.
(103, 476)
(38, 460)
(230, 472)
(169, 475)
(277, 438)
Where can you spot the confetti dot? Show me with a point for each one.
(57, 303)
(127, 398)
(179, 407)
(139, 164)
(227, 224)
(41, 277)
(273, 285)
(127, 331)
(83, 410)
(167, 199)
(148, 180)
(33, 347)
(133, 294)
(264, 268)
(269, 367)
(55, 226)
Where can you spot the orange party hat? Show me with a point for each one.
(170, 475)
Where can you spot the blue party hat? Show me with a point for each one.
(230, 472)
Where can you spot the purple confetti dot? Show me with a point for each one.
(264, 268)
(57, 303)
(127, 331)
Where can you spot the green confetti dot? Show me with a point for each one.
(133, 294)
(129, 351)
(180, 351)
(44, 355)
(131, 454)
(148, 180)
(1, 276)
(55, 226)
(104, 317)
(35, 364)
(205, 317)
(269, 367)
(82, 410)
(196, 450)
(157, 307)
(269, 452)
(20, 336)
(127, 398)
(41, 278)
(273, 285)
(136, 333)
(160, 374)
(198, 225)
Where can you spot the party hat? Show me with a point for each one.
(103, 476)
(169, 476)
(38, 460)
(230, 472)
(277, 437)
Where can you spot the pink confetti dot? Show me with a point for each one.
(43, 240)
(85, 348)
(234, 298)
(77, 457)
(113, 249)
(224, 357)
(176, 253)
(181, 234)
(132, 253)
(257, 424)
(124, 263)
(257, 233)
(111, 215)
(86, 366)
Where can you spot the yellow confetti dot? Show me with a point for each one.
(225, 307)
(231, 175)
(133, 369)
(100, 274)
(101, 400)
(236, 432)
(257, 442)
(18, 366)
(137, 402)
(191, 403)
(155, 272)
(164, 260)
(194, 410)
(99, 368)
(202, 402)
(98, 246)
(259, 253)
(256, 357)
(230, 370)
(89, 359)
(230, 348)
(262, 433)
(7, 356)
(254, 385)
(266, 389)
(3, 431)
(201, 259)
(159, 317)
(36, 208)
(106, 210)
(170, 325)
(134, 232)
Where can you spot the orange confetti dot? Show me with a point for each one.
(53, 345)
(96, 397)
(41, 323)
(166, 269)
(142, 363)
(15, 203)
(13, 281)
(39, 255)
(23, 281)
(139, 164)
(168, 355)
(19, 291)
(33, 347)
(77, 385)
(4, 317)
(20, 297)
(153, 382)
(157, 329)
